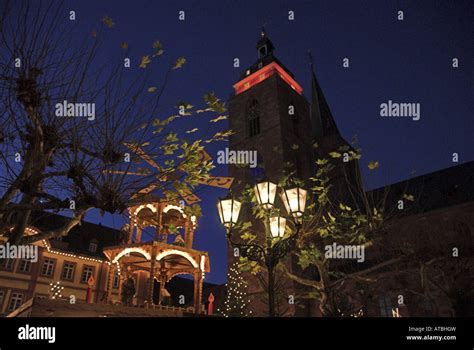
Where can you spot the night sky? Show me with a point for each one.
(402, 61)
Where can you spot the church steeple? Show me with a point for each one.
(321, 116)
(264, 45)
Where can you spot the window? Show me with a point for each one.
(93, 247)
(48, 267)
(385, 306)
(2, 297)
(25, 266)
(87, 271)
(253, 116)
(7, 264)
(116, 282)
(68, 271)
(295, 124)
(15, 301)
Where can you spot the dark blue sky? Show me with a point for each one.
(402, 61)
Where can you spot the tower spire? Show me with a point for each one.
(264, 45)
(322, 119)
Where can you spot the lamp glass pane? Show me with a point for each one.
(277, 226)
(265, 193)
(228, 211)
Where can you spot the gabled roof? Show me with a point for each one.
(436, 190)
(78, 239)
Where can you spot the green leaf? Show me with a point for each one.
(157, 45)
(179, 63)
(373, 165)
(221, 117)
(108, 21)
(145, 61)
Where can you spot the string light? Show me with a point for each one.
(56, 290)
(236, 303)
(57, 252)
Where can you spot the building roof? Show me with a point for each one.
(80, 236)
(436, 190)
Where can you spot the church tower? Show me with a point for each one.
(269, 114)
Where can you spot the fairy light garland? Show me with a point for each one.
(56, 290)
(236, 302)
(57, 252)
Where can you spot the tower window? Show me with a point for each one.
(295, 124)
(263, 51)
(253, 119)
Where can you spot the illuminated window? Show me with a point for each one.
(15, 301)
(87, 272)
(47, 268)
(6, 264)
(25, 266)
(68, 271)
(253, 119)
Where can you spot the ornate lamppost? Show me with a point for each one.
(276, 244)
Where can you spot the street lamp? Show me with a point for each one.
(228, 209)
(265, 192)
(294, 200)
(276, 245)
(277, 226)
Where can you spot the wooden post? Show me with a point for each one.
(197, 291)
(121, 279)
(159, 227)
(189, 230)
(130, 229)
(138, 235)
(110, 281)
(162, 280)
(151, 280)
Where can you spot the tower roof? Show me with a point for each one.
(321, 115)
(266, 57)
(264, 43)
